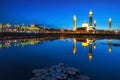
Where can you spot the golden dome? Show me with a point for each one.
(84, 44)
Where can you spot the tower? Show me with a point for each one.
(110, 23)
(95, 24)
(74, 22)
(90, 19)
(74, 46)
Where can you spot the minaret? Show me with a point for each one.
(95, 24)
(90, 19)
(74, 46)
(110, 23)
(110, 45)
(90, 56)
(74, 22)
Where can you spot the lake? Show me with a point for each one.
(98, 58)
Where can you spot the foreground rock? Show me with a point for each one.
(59, 72)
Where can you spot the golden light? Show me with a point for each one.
(110, 49)
(74, 51)
(85, 24)
(84, 44)
(116, 31)
(94, 46)
(32, 25)
(90, 56)
(74, 46)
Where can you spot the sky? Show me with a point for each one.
(59, 13)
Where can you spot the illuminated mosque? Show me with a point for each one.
(85, 26)
(88, 27)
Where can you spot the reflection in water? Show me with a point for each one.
(53, 55)
(90, 56)
(74, 46)
(23, 42)
(110, 45)
(86, 42)
(94, 44)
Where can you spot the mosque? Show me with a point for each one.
(85, 26)
(89, 27)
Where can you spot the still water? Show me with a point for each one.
(97, 58)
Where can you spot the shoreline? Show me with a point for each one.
(5, 35)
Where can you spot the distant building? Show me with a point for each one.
(62, 30)
(0, 27)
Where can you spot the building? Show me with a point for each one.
(74, 22)
(84, 28)
(85, 25)
(81, 30)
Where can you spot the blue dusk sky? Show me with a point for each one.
(59, 13)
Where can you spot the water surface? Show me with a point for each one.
(97, 58)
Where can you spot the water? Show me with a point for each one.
(97, 58)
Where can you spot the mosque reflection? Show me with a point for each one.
(85, 42)
(91, 43)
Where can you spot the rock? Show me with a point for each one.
(59, 72)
